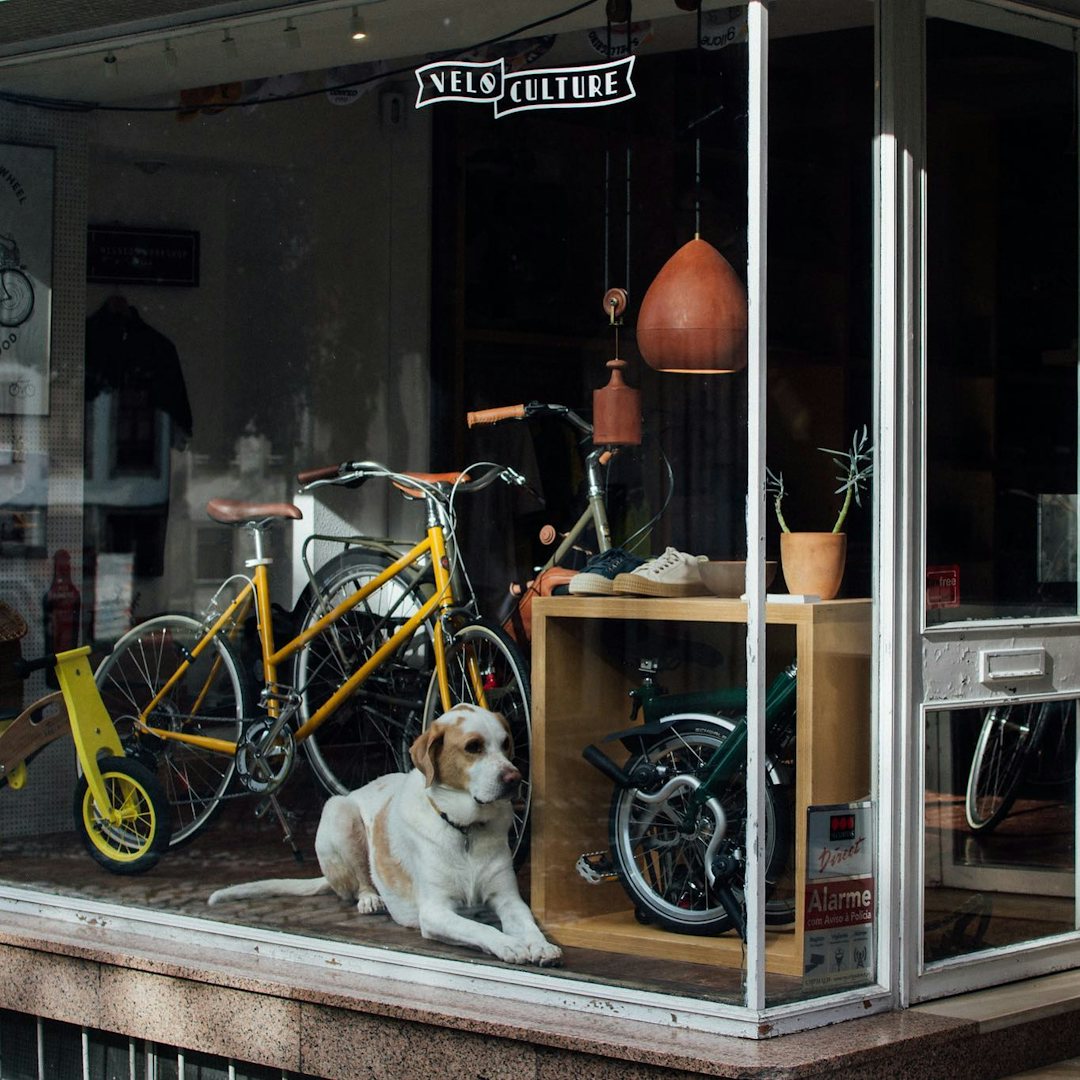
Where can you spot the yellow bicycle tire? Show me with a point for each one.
(135, 843)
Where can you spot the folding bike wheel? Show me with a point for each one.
(662, 867)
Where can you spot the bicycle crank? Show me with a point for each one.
(264, 759)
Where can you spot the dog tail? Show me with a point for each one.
(272, 887)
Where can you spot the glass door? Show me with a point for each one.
(999, 639)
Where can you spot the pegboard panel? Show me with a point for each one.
(39, 808)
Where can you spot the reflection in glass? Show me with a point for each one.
(999, 833)
(1002, 318)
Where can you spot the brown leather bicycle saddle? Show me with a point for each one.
(237, 512)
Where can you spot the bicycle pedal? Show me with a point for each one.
(595, 867)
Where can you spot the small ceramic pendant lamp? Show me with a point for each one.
(694, 315)
(616, 407)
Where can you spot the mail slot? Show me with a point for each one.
(999, 664)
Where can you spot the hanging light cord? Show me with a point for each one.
(697, 136)
(75, 105)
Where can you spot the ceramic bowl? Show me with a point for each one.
(729, 578)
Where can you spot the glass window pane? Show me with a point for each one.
(1000, 834)
(1002, 325)
(820, 373)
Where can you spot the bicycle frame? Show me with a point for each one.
(257, 590)
(727, 759)
(595, 512)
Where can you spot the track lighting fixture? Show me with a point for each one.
(228, 43)
(357, 26)
(292, 35)
(170, 55)
(111, 65)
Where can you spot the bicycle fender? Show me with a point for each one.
(696, 704)
(645, 734)
(637, 740)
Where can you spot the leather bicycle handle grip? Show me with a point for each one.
(309, 476)
(493, 416)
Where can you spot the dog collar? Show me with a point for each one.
(463, 829)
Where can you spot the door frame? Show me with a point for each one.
(959, 644)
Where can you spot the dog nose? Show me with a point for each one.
(509, 775)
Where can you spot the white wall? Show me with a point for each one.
(308, 332)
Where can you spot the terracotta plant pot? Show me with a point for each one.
(813, 562)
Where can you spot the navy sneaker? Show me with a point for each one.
(597, 577)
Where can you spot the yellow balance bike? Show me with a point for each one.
(120, 810)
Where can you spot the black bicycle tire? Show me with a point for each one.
(1008, 785)
(399, 669)
(518, 716)
(117, 696)
(713, 918)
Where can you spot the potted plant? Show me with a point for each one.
(813, 562)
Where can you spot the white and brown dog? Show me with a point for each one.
(426, 844)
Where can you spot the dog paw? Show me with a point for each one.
(545, 954)
(370, 903)
(513, 952)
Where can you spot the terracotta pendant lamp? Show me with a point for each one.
(694, 315)
(616, 407)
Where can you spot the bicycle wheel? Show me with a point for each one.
(1010, 733)
(211, 698)
(16, 298)
(662, 866)
(134, 843)
(366, 736)
(482, 651)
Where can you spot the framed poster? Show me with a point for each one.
(26, 255)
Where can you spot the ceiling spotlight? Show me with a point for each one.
(170, 55)
(292, 35)
(228, 43)
(111, 66)
(357, 26)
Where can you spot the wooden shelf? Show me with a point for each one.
(580, 695)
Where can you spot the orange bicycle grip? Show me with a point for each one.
(309, 476)
(493, 416)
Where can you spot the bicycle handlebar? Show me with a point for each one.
(493, 416)
(523, 412)
(355, 473)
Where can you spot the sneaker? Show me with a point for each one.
(672, 574)
(598, 574)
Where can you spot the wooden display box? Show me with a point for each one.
(580, 695)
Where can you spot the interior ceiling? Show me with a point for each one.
(70, 63)
(58, 49)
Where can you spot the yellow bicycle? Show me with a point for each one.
(380, 647)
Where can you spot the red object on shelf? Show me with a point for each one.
(63, 609)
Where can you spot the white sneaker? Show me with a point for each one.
(672, 574)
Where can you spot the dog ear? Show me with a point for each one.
(506, 727)
(425, 752)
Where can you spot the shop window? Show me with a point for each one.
(312, 337)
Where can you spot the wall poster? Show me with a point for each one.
(26, 267)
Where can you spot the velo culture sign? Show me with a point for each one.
(517, 91)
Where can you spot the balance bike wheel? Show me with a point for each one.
(136, 842)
